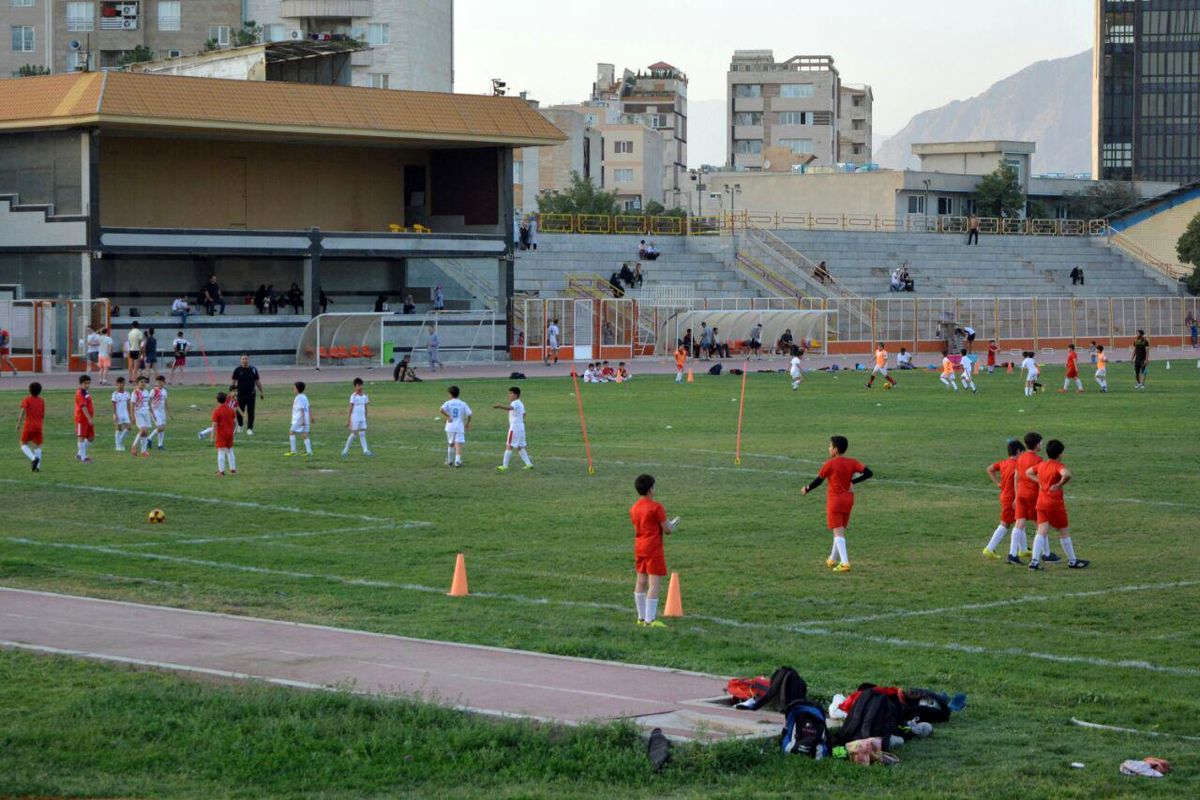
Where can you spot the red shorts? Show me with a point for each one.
(180, 361)
(1008, 511)
(1026, 509)
(1056, 515)
(32, 436)
(85, 431)
(1072, 373)
(654, 563)
(837, 511)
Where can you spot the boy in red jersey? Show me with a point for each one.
(650, 524)
(223, 420)
(991, 357)
(842, 473)
(1003, 475)
(1027, 492)
(1051, 477)
(1072, 371)
(85, 418)
(29, 423)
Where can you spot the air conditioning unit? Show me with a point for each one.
(129, 10)
(295, 35)
(129, 24)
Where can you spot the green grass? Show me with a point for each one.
(749, 551)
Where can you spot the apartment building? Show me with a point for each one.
(412, 41)
(631, 154)
(547, 169)
(1146, 70)
(854, 123)
(79, 34)
(792, 106)
(659, 97)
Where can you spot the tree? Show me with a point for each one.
(581, 197)
(31, 70)
(1188, 248)
(251, 33)
(1100, 200)
(135, 56)
(999, 194)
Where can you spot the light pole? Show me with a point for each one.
(733, 192)
(697, 176)
(927, 182)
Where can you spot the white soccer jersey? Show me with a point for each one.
(301, 414)
(1032, 366)
(795, 366)
(358, 411)
(93, 342)
(516, 415)
(552, 334)
(106, 345)
(121, 406)
(458, 412)
(158, 405)
(141, 407)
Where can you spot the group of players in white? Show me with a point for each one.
(147, 410)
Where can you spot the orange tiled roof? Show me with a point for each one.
(142, 99)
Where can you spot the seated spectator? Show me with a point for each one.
(607, 373)
(273, 300)
(409, 306)
(821, 273)
(626, 274)
(404, 371)
(686, 342)
(652, 252)
(622, 373)
(181, 307)
(637, 273)
(785, 343)
(381, 304)
(904, 359)
(295, 299)
(906, 281)
(641, 249)
(897, 283)
(260, 299)
(589, 374)
(614, 281)
(719, 346)
(1077, 276)
(213, 299)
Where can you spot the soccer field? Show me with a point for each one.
(370, 544)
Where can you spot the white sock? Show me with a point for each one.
(362, 439)
(117, 439)
(1040, 547)
(840, 543)
(639, 600)
(1068, 548)
(349, 441)
(145, 444)
(28, 452)
(449, 454)
(292, 441)
(232, 460)
(162, 435)
(651, 609)
(308, 446)
(525, 457)
(507, 457)
(997, 537)
(1066, 384)
(37, 452)
(221, 460)
(833, 549)
(206, 432)
(679, 377)
(1014, 542)
(1079, 384)
(136, 440)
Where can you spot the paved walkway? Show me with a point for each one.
(485, 680)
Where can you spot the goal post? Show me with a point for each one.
(340, 339)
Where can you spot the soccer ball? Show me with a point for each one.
(887, 387)
(156, 516)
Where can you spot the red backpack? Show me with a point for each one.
(748, 688)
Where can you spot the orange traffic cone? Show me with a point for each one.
(977, 367)
(458, 587)
(620, 378)
(674, 606)
(690, 378)
(1010, 368)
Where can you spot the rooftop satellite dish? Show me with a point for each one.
(74, 44)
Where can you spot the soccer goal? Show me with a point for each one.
(341, 339)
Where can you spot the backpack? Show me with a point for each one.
(715, 369)
(926, 705)
(735, 371)
(517, 376)
(874, 714)
(747, 688)
(786, 688)
(804, 731)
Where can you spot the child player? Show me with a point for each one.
(301, 422)
(1030, 368)
(231, 401)
(881, 362)
(991, 356)
(516, 429)
(1101, 368)
(1072, 371)
(797, 372)
(681, 356)
(967, 364)
(650, 524)
(223, 420)
(458, 421)
(29, 423)
(159, 409)
(1027, 492)
(947, 377)
(85, 419)
(121, 421)
(1003, 474)
(140, 402)
(179, 349)
(1051, 477)
(842, 473)
(356, 419)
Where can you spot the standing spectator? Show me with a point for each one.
(295, 298)
(181, 309)
(272, 299)
(552, 342)
(433, 345)
(92, 345)
(409, 306)
(523, 234)
(381, 304)
(706, 341)
(821, 273)
(533, 231)
(1190, 322)
(179, 349)
(614, 282)
(439, 298)
(245, 382)
(1141, 359)
(133, 353)
(686, 342)
(212, 296)
(323, 299)
(104, 357)
(150, 353)
(973, 230)
(626, 274)
(5, 349)
(755, 344)
(969, 332)
(260, 298)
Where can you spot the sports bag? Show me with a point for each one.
(804, 731)
(748, 688)
(874, 714)
(926, 705)
(715, 369)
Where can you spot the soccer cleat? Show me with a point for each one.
(458, 465)
(1015, 560)
(1052, 557)
(200, 435)
(250, 432)
(641, 624)
(368, 453)
(233, 472)
(658, 623)
(1035, 565)
(37, 465)
(345, 454)
(868, 386)
(239, 429)
(1024, 554)
(1062, 391)
(501, 468)
(1079, 563)
(449, 464)
(144, 454)
(831, 563)
(843, 567)
(160, 447)
(990, 554)
(527, 466)
(289, 453)
(220, 474)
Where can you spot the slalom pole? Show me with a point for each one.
(212, 379)
(587, 447)
(737, 456)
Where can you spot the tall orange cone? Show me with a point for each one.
(674, 606)
(690, 378)
(458, 587)
(1010, 368)
(976, 366)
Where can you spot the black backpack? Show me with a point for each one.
(787, 687)
(874, 714)
(517, 376)
(715, 369)
(804, 731)
(926, 705)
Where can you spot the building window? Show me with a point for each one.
(623, 146)
(795, 118)
(174, 53)
(169, 16)
(797, 146)
(273, 33)
(748, 146)
(796, 90)
(622, 176)
(945, 206)
(858, 124)
(856, 101)
(379, 33)
(518, 172)
(859, 149)
(22, 3)
(633, 205)
(1015, 165)
(1118, 154)
(22, 38)
(658, 121)
(219, 34)
(379, 80)
(747, 118)
(916, 204)
(81, 16)
(747, 90)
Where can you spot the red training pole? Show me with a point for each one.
(587, 447)
(737, 456)
(212, 379)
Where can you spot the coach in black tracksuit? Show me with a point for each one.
(245, 382)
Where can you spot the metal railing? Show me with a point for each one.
(796, 265)
(750, 267)
(1140, 254)
(591, 286)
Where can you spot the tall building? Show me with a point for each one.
(793, 107)
(86, 34)
(548, 169)
(854, 123)
(659, 97)
(412, 41)
(1146, 90)
(631, 154)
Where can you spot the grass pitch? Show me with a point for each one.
(355, 542)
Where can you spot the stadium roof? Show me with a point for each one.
(268, 109)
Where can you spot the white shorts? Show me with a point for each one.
(160, 418)
(879, 371)
(143, 419)
(516, 438)
(1102, 373)
(553, 343)
(1033, 375)
(456, 437)
(123, 418)
(358, 424)
(796, 374)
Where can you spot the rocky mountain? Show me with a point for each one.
(1049, 102)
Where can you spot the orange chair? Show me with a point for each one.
(354, 351)
(323, 352)
(367, 352)
(338, 353)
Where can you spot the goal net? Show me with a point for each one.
(341, 339)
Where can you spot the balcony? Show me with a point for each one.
(317, 9)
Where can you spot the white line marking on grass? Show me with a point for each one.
(1099, 727)
(284, 535)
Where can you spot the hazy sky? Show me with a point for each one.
(916, 54)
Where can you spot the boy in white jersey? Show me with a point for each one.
(139, 401)
(104, 357)
(458, 421)
(159, 410)
(797, 373)
(1030, 367)
(516, 429)
(552, 342)
(967, 364)
(301, 421)
(179, 348)
(231, 401)
(121, 421)
(356, 419)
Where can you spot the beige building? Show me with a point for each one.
(854, 124)
(86, 34)
(543, 169)
(631, 154)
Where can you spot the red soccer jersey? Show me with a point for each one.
(35, 413)
(1049, 473)
(223, 418)
(1008, 489)
(992, 350)
(1072, 367)
(83, 401)
(1027, 489)
(839, 472)
(648, 517)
